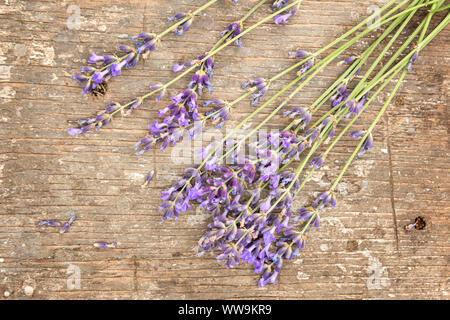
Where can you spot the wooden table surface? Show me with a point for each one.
(360, 251)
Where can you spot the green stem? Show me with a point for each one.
(317, 68)
(252, 10)
(355, 152)
(388, 101)
(319, 141)
(188, 17)
(168, 30)
(210, 54)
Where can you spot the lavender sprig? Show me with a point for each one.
(104, 67)
(198, 81)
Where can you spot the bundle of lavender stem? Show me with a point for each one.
(183, 111)
(251, 199)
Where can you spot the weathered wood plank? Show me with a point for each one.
(360, 250)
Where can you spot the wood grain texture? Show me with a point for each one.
(46, 174)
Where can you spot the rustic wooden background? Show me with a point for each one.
(360, 251)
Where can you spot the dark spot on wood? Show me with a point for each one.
(352, 245)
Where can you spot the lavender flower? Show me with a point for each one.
(108, 66)
(181, 113)
(233, 30)
(261, 85)
(283, 18)
(243, 230)
(180, 67)
(97, 122)
(305, 67)
(219, 114)
(302, 115)
(157, 86)
(105, 245)
(178, 16)
(279, 4)
(357, 134)
(298, 54)
(324, 199)
(50, 223)
(98, 60)
(354, 107)
(185, 26)
(348, 60)
(149, 178)
(412, 61)
(368, 142)
(367, 145)
(67, 225)
(317, 162)
(203, 74)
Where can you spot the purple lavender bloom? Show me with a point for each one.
(180, 67)
(283, 18)
(260, 85)
(233, 30)
(306, 66)
(179, 115)
(324, 199)
(317, 162)
(302, 115)
(116, 68)
(98, 76)
(219, 115)
(367, 145)
(105, 245)
(279, 4)
(146, 46)
(185, 26)
(349, 60)
(80, 78)
(135, 104)
(203, 75)
(96, 122)
(50, 223)
(102, 60)
(269, 236)
(269, 276)
(114, 65)
(298, 54)
(67, 225)
(149, 178)
(296, 238)
(178, 16)
(412, 60)
(357, 134)
(162, 92)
